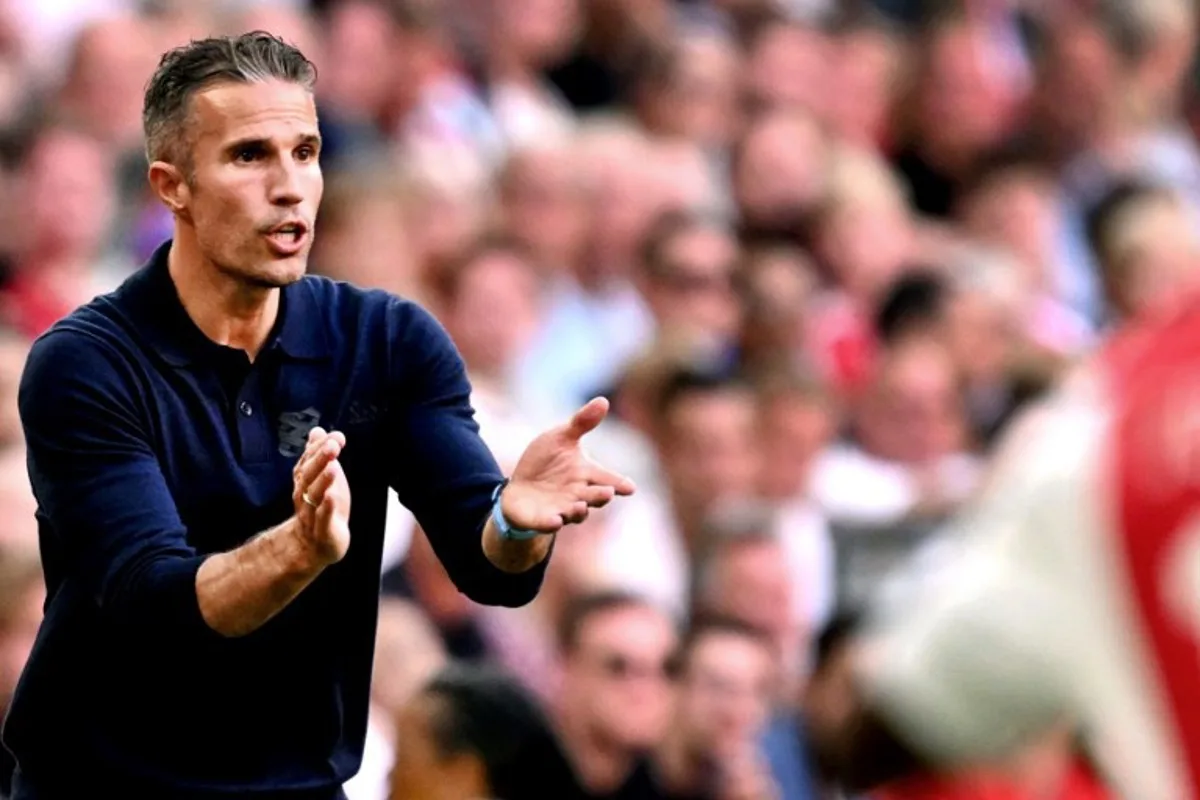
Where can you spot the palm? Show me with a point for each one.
(554, 483)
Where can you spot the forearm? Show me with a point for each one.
(240, 590)
(513, 555)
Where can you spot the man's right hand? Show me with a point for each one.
(321, 497)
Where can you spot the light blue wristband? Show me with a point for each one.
(503, 527)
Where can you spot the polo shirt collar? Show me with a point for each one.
(299, 332)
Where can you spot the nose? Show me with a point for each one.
(286, 187)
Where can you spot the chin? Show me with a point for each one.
(277, 273)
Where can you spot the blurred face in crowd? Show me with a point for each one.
(982, 333)
(708, 447)
(1016, 210)
(111, 62)
(789, 67)
(68, 196)
(615, 681)
(364, 240)
(421, 770)
(914, 413)
(794, 428)
(691, 290)
(780, 285)
(538, 32)
(494, 312)
(863, 84)
(544, 205)
(1155, 254)
(751, 583)
(966, 99)
(865, 242)
(358, 78)
(781, 170)
(700, 102)
(724, 693)
(1078, 75)
(251, 196)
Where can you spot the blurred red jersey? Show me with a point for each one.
(1074, 588)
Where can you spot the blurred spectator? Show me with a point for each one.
(908, 452)
(22, 595)
(1145, 242)
(614, 700)
(408, 652)
(473, 732)
(687, 279)
(725, 686)
(704, 428)
(61, 260)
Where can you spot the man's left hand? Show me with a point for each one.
(555, 483)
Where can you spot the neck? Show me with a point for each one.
(601, 765)
(226, 310)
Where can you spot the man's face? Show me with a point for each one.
(708, 447)
(725, 693)
(617, 675)
(256, 183)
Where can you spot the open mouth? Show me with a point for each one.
(287, 238)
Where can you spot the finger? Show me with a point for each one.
(318, 489)
(576, 513)
(587, 418)
(316, 438)
(600, 476)
(596, 496)
(328, 452)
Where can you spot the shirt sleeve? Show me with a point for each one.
(972, 658)
(113, 524)
(445, 473)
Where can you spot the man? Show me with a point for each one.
(614, 700)
(724, 689)
(1075, 598)
(1143, 236)
(211, 603)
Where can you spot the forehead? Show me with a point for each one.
(633, 627)
(259, 109)
(729, 654)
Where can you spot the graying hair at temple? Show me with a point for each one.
(186, 70)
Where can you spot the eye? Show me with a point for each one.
(306, 153)
(248, 154)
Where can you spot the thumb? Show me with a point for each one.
(587, 418)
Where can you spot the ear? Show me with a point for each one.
(170, 186)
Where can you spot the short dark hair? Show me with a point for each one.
(838, 631)
(583, 608)
(913, 303)
(448, 273)
(704, 626)
(487, 713)
(698, 379)
(666, 228)
(1122, 196)
(186, 70)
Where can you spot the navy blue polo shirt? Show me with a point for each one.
(150, 447)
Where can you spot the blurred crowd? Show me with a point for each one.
(817, 253)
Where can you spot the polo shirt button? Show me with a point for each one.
(245, 408)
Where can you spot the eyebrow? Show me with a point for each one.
(310, 139)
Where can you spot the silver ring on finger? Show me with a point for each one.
(308, 499)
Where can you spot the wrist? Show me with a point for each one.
(296, 551)
(504, 528)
